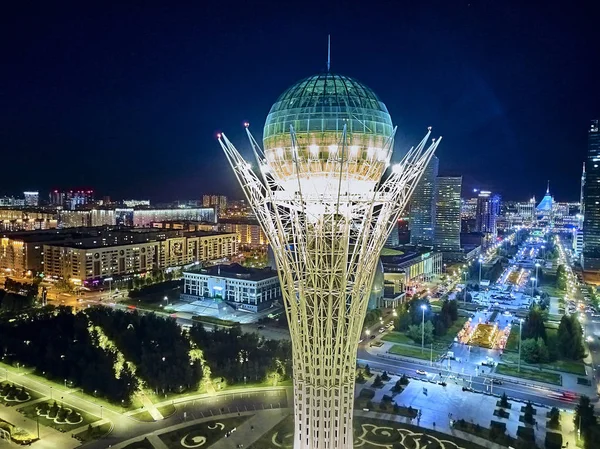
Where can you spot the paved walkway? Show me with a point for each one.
(262, 422)
(156, 415)
(257, 425)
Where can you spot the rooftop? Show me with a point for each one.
(236, 271)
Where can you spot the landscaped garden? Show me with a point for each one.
(371, 433)
(60, 416)
(203, 434)
(11, 394)
(529, 373)
(484, 336)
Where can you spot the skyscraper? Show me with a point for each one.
(327, 207)
(581, 203)
(488, 209)
(422, 206)
(591, 201)
(446, 235)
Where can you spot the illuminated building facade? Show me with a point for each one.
(327, 212)
(591, 201)
(143, 218)
(32, 199)
(488, 209)
(249, 289)
(12, 220)
(422, 206)
(446, 236)
(117, 252)
(249, 232)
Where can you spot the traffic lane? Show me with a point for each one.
(197, 409)
(516, 391)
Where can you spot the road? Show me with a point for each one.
(531, 393)
(126, 427)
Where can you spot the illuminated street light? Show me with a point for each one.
(423, 308)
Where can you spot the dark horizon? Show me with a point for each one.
(128, 99)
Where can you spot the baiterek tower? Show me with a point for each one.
(327, 202)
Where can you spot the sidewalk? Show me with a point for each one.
(263, 421)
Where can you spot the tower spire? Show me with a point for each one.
(548, 188)
(328, 52)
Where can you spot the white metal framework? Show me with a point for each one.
(327, 229)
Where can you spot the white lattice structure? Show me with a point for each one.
(327, 213)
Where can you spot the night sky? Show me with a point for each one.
(127, 99)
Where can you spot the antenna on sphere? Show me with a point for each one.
(328, 52)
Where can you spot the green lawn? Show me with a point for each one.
(397, 337)
(452, 331)
(95, 433)
(210, 432)
(415, 351)
(512, 344)
(144, 416)
(14, 395)
(41, 409)
(166, 410)
(566, 366)
(529, 373)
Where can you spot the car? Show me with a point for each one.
(496, 382)
(421, 372)
(381, 330)
(372, 337)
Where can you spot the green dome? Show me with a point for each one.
(324, 103)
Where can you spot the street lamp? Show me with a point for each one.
(423, 308)
(520, 340)
(480, 264)
(532, 283)
(465, 299)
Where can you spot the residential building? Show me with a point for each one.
(219, 202)
(143, 218)
(86, 218)
(32, 199)
(248, 289)
(136, 203)
(422, 206)
(447, 214)
(249, 232)
(12, 220)
(591, 202)
(118, 252)
(9, 201)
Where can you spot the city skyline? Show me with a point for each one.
(149, 108)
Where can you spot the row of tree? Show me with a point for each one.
(242, 358)
(561, 277)
(21, 288)
(13, 302)
(539, 346)
(411, 317)
(158, 348)
(58, 344)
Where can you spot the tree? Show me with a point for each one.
(416, 333)
(534, 350)
(554, 418)
(534, 327)
(377, 383)
(360, 378)
(403, 380)
(368, 370)
(504, 401)
(385, 377)
(570, 340)
(584, 415)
